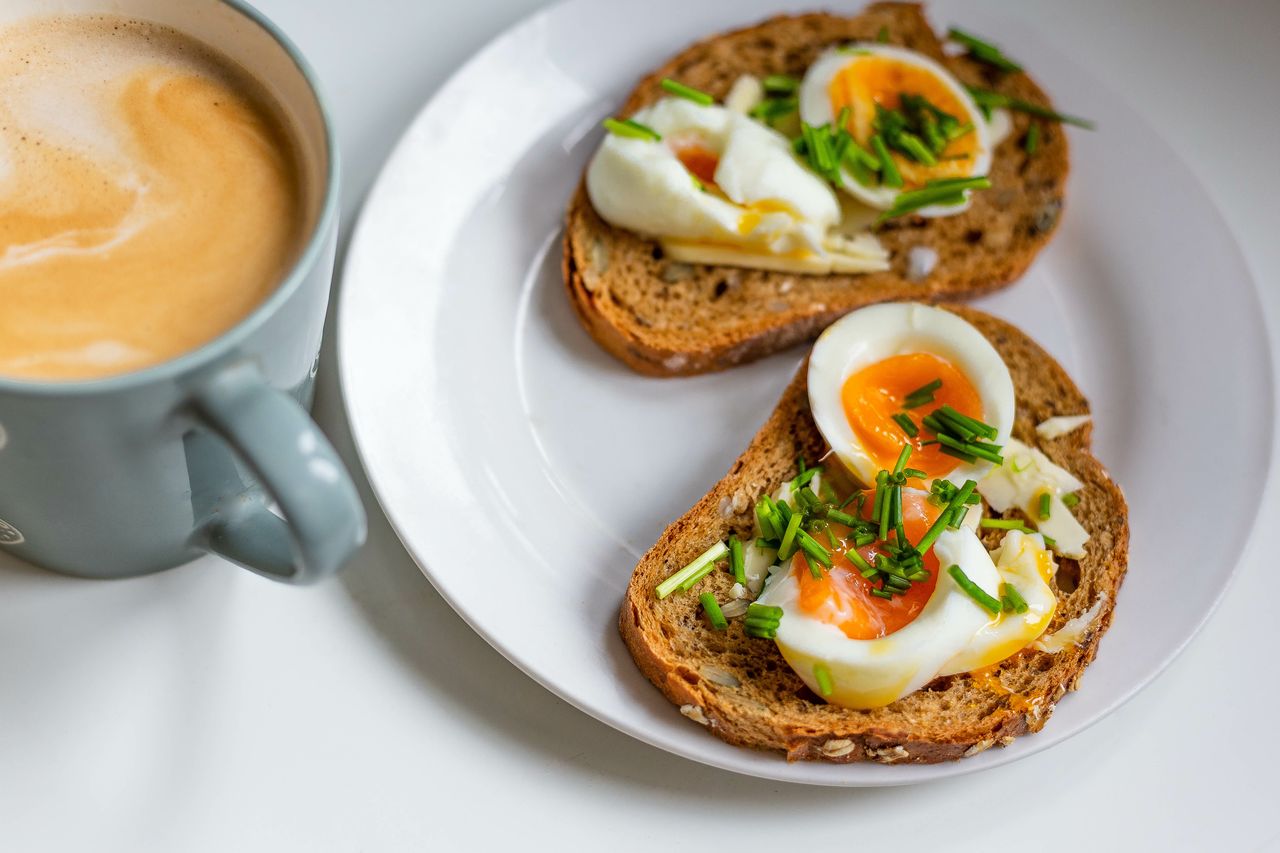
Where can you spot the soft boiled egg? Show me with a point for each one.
(717, 180)
(876, 650)
(862, 80)
(865, 366)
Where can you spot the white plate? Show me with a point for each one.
(526, 471)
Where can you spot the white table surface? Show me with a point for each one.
(207, 709)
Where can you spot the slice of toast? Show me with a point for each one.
(743, 690)
(666, 318)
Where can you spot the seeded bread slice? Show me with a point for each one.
(742, 690)
(666, 318)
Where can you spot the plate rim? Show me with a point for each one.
(927, 772)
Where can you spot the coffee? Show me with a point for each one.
(151, 196)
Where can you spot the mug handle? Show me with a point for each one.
(324, 522)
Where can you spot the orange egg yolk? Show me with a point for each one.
(873, 395)
(842, 596)
(870, 80)
(692, 151)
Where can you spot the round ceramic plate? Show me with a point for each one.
(526, 471)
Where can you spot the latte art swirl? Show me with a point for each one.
(150, 196)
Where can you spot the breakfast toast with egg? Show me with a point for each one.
(669, 318)
(743, 690)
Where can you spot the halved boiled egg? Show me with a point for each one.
(880, 87)
(875, 650)
(866, 366)
(722, 188)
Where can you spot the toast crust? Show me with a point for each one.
(666, 318)
(743, 688)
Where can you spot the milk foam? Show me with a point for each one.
(149, 196)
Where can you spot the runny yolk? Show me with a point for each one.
(842, 597)
(870, 80)
(698, 159)
(874, 394)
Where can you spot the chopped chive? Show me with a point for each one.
(787, 546)
(958, 454)
(815, 572)
(1012, 600)
(860, 562)
(784, 515)
(822, 675)
(687, 92)
(881, 593)
(975, 592)
(755, 608)
(935, 530)
(831, 539)
(714, 614)
(1049, 540)
(984, 51)
(803, 478)
(855, 153)
(882, 35)
(876, 507)
(704, 560)
(989, 452)
(840, 517)
(861, 540)
(916, 148)
(941, 423)
(889, 174)
(1032, 141)
(988, 99)
(897, 583)
(764, 517)
(928, 389)
(766, 543)
(629, 127)
(811, 547)
(1070, 499)
(908, 426)
(1005, 524)
(780, 84)
(762, 634)
(736, 562)
(693, 579)
(903, 456)
(1046, 504)
(771, 109)
(983, 429)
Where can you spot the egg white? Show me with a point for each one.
(872, 334)
(641, 185)
(873, 673)
(815, 109)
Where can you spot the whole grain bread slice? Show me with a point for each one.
(667, 318)
(742, 690)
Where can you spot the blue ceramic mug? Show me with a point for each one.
(212, 451)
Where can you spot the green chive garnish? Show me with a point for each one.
(882, 35)
(736, 561)
(812, 548)
(946, 192)
(908, 426)
(881, 593)
(1005, 524)
(1070, 499)
(780, 84)
(822, 675)
(975, 592)
(903, 456)
(1032, 142)
(1046, 504)
(935, 530)
(916, 148)
(927, 390)
(985, 430)
(1011, 600)
(1049, 540)
(693, 579)
(631, 128)
(988, 100)
(984, 51)
(840, 517)
(687, 92)
(889, 174)
(706, 560)
(764, 517)
(714, 614)
(787, 547)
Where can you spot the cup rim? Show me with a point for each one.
(306, 260)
